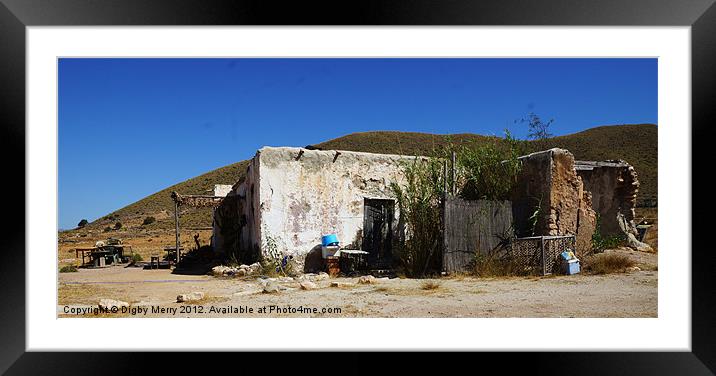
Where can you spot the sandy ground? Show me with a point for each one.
(630, 294)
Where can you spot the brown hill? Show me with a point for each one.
(635, 143)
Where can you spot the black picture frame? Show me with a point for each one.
(16, 15)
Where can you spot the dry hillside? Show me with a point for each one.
(636, 143)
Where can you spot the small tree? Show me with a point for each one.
(538, 129)
(82, 223)
(148, 221)
(118, 225)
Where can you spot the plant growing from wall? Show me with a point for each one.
(276, 262)
(601, 242)
(535, 217)
(419, 204)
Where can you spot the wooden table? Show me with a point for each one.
(172, 249)
(85, 251)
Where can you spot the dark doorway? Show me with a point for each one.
(378, 232)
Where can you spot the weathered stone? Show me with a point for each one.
(634, 243)
(335, 284)
(218, 270)
(548, 185)
(308, 285)
(190, 297)
(614, 186)
(271, 287)
(321, 276)
(108, 304)
(366, 280)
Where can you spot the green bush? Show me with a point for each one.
(107, 229)
(148, 221)
(68, 269)
(118, 225)
(419, 205)
(82, 223)
(488, 171)
(137, 257)
(601, 242)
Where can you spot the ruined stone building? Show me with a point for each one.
(292, 196)
(550, 199)
(614, 186)
(566, 197)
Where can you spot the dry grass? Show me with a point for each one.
(492, 267)
(605, 263)
(86, 294)
(430, 285)
(208, 299)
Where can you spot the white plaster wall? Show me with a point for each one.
(221, 190)
(301, 200)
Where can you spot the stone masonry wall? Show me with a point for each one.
(549, 181)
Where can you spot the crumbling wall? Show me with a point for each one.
(549, 198)
(236, 220)
(614, 186)
(532, 195)
(305, 194)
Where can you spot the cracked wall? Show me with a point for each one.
(550, 199)
(614, 186)
(304, 197)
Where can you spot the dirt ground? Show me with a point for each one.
(153, 293)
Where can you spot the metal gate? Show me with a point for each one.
(540, 254)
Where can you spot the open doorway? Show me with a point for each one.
(378, 232)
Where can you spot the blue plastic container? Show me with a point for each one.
(570, 267)
(330, 239)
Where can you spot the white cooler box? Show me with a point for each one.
(330, 250)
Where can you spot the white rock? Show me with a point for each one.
(255, 267)
(366, 280)
(218, 270)
(321, 277)
(194, 296)
(111, 303)
(271, 287)
(308, 285)
(634, 269)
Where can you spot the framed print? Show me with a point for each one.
(486, 176)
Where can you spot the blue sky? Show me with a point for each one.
(131, 127)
